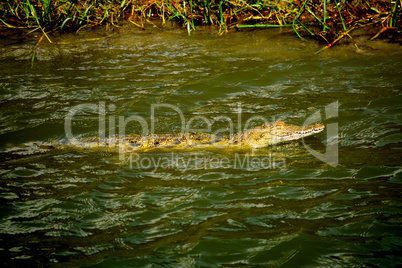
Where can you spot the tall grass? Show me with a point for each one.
(323, 19)
(62, 14)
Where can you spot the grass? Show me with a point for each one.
(326, 20)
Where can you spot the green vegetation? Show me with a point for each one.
(326, 20)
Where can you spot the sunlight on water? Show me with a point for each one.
(273, 206)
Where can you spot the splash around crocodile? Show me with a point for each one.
(258, 137)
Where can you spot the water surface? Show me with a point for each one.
(277, 206)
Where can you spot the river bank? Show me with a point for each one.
(326, 21)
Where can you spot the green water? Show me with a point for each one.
(277, 206)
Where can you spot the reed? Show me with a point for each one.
(207, 11)
(394, 13)
(324, 15)
(340, 15)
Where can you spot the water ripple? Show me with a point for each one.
(75, 206)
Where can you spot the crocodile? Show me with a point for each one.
(256, 137)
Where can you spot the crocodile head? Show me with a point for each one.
(277, 132)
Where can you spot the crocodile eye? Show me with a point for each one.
(279, 126)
